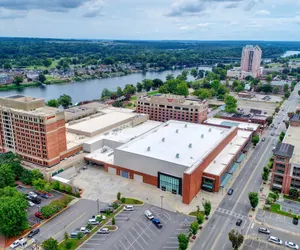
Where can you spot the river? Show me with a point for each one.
(90, 89)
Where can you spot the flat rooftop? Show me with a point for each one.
(92, 126)
(124, 134)
(178, 142)
(292, 137)
(228, 153)
(228, 123)
(21, 98)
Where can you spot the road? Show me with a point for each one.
(215, 234)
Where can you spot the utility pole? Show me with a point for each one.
(98, 209)
(161, 203)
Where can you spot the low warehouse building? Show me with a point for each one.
(178, 157)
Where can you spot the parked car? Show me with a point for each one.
(157, 223)
(103, 231)
(33, 232)
(31, 204)
(291, 245)
(32, 194)
(129, 208)
(230, 191)
(44, 195)
(272, 133)
(148, 215)
(22, 242)
(263, 139)
(85, 230)
(35, 200)
(93, 221)
(239, 222)
(264, 230)
(95, 217)
(275, 240)
(15, 244)
(74, 234)
(39, 215)
(295, 221)
(104, 209)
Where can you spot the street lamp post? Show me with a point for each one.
(161, 202)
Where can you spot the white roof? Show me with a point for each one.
(203, 140)
(125, 133)
(292, 137)
(240, 125)
(104, 154)
(100, 122)
(217, 166)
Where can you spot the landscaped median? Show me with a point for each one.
(75, 243)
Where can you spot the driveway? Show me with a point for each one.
(135, 231)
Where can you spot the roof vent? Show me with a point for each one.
(190, 145)
(185, 125)
(177, 155)
(202, 136)
(177, 131)
(209, 130)
(163, 139)
(148, 149)
(214, 161)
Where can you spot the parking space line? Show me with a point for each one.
(138, 242)
(145, 234)
(130, 244)
(123, 245)
(148, 228)
(171, 247)
(116, 247)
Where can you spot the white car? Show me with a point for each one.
(32, 194)
(103, 231)
(275, 240)
(291, 245)
(93, 221)
(31, 204)
(129, 208)
(15, 244)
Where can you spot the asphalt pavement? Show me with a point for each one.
(215, 233)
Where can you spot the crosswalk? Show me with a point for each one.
(231, 213)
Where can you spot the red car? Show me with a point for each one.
(39, 215)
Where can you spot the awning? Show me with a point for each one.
(225, 181)
(208, 186)
(234, 167)
(241, 158)
(246, 148)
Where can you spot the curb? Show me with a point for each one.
(111, 226)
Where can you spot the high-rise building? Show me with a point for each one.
(32, 130)
(172, 107)
(251, 59)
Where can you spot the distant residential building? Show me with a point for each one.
(32, 76)
(163, 107)
(5, 79)
(32, 130)
(251, 59)
(286, 167)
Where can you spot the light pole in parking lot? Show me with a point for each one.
(161, 202)
(98, 209)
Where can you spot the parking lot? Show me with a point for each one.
(290, 206)
(135, 231)
(252, 244)
(32, 210)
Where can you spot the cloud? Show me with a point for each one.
(186, 27)
(11, 14)
(253, 25)
(231, 5)
(47, 5)
(263, 12)
(203, 24)
(251, 3)
(94, 8)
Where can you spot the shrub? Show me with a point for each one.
(269, 201)
(115, 205)
(68, 244)
(123, 199)
(55, 185)
(80, 235)
(118, 196)
(89, 226)
(68, 189)
(113, 221)
(107, 212)
(62, 187)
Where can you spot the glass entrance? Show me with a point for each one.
(169, 183)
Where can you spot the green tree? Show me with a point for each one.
(147, 84)
(265, 176)
(287, 94)
(13, 214)
(139, 87)
(7, 176)
(298, 92)
(79, 235)
(236, 239)
(230, 104)
(7, 65)
(118, 196)
(269, 120)
(66, 236)
(253, 198)
(182, 89)
(204, 94)
(281, 136)
(194, 72)
(285, 87)
(26, 177)
(42, 78)
(55, 185)
(119, 92)
(47, 62)
(129, 89)
(194, 227)
(169, 77)
(276, 90)
(39, 184)
(157, 83)
(52, 103)
(235, 83)
(200, 218)
(18, 80)
(50, 244)
(207, 207)
(68, 189)
(255, 139)
(293, 193)
(65, 100)
(183, 241)
(113, 221)
(268, 78)
(47, 187)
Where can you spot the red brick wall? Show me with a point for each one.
(71, 152)
(295, 124)
(192, 182)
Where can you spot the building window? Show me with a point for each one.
(170, 183)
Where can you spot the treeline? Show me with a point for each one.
(35, 52)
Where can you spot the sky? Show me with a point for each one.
(152, 19)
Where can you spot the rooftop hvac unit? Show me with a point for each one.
(209, 130)
(148, 149)
(103, 150)
(202, 135)
(163, 139)
(177, 131)
(185, 125)
(214, 161)
(177, 155)
(190, 145)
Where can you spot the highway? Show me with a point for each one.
(215, 233)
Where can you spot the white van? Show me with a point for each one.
(149, 215)
(93, 221)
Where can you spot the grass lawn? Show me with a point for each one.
(53, 65)
(132, 201)
(152, 93)
(194, 213)
(275, 208)
(133, 98)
